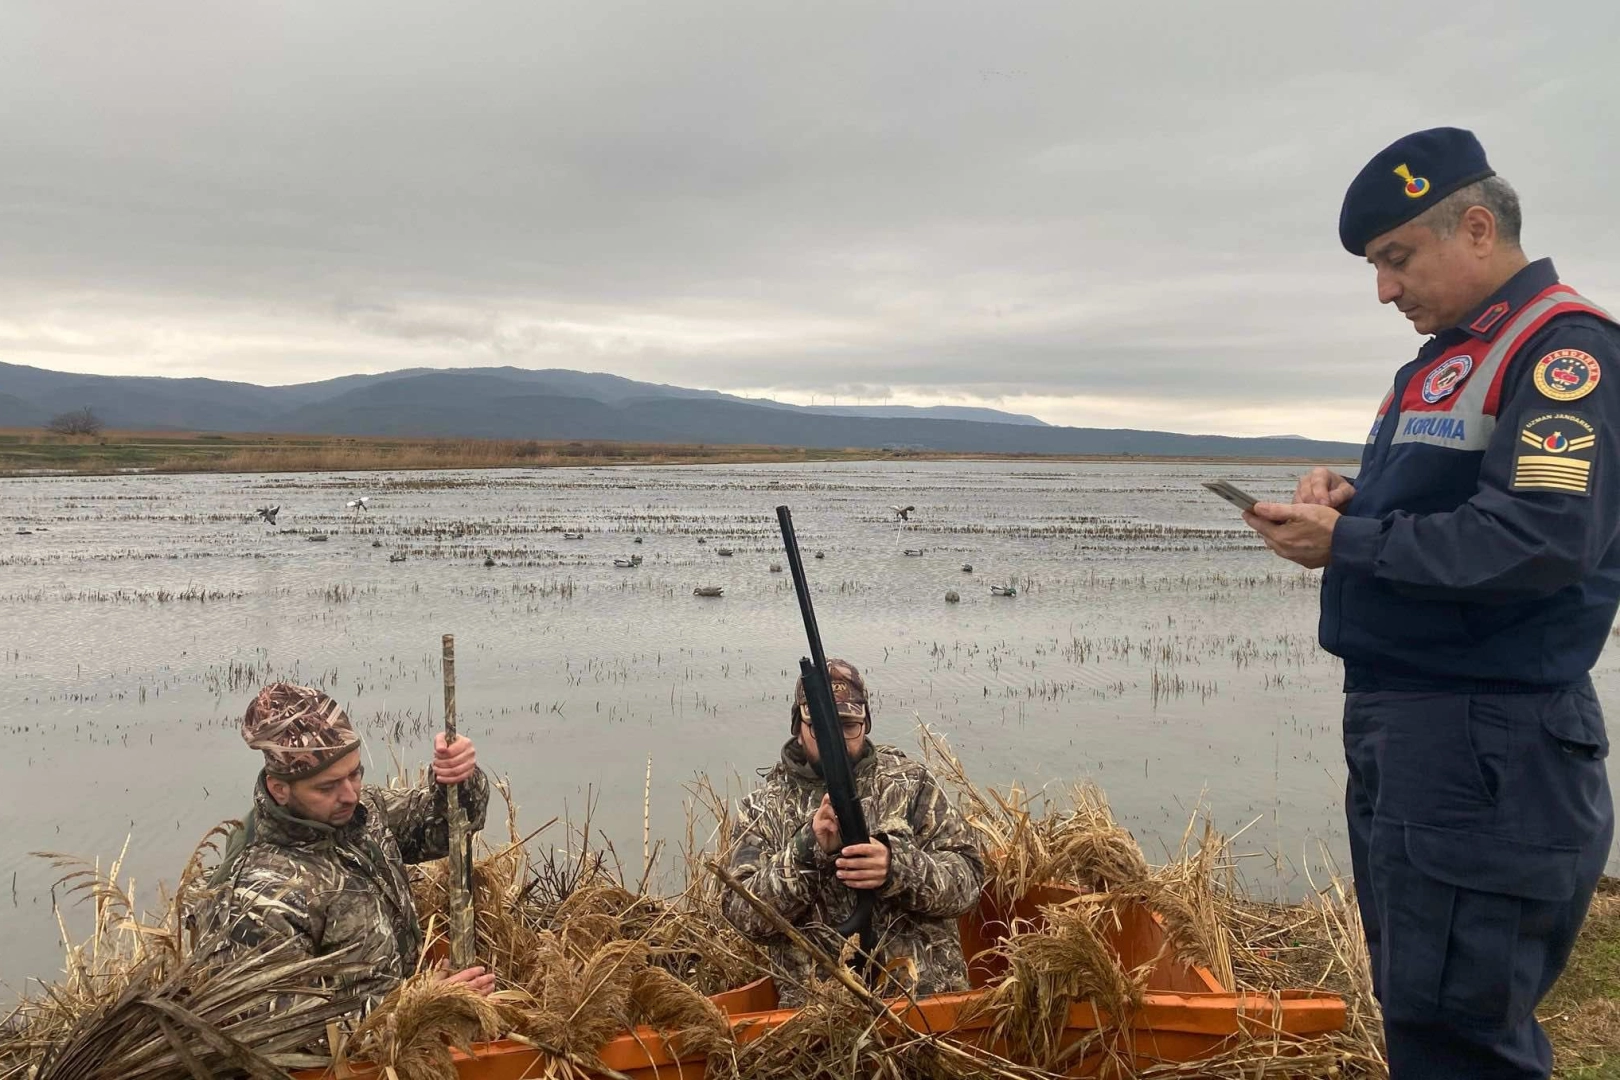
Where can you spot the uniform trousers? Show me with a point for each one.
(1480, 824)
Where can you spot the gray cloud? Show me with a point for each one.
(1125, 216)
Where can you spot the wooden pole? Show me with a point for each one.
(461, 907)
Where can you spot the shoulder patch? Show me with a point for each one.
(1446, 377)
(1567, 374)
(1555, 453)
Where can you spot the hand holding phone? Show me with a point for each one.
(1232, 493)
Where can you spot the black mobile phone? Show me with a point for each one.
(1232, 493)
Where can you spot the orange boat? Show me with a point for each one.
(1185, 1015)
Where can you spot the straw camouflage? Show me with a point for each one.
(299, 729)
(326, 888)
(935, 869)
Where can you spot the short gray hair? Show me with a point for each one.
(1493, 193)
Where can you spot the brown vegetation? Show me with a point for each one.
(24, 452)
(584, 955)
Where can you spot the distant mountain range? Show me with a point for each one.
(518, 403)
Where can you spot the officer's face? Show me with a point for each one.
(329, 797)
(1435, 281)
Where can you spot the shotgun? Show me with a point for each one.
(835, 765)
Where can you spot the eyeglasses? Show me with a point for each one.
(852, 714)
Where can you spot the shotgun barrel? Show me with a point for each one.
(836, 769)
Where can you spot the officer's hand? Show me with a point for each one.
(1299, 532)
(1323, 487)
(475, 977)
(864, 866)
(824, 823)
(454, 763)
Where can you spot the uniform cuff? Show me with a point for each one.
(1355, 544)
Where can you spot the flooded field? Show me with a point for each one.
(1152, 644)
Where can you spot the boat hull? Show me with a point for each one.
(1186, 1015)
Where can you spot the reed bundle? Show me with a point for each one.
(142, 999)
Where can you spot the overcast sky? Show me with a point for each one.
(1104, 214)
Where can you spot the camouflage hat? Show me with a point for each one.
(848, 690)
(299, 729)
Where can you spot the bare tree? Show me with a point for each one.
(79, 422)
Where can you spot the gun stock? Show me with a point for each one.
(836, 769)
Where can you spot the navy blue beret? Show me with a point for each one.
(1406, 178)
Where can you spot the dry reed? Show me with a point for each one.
(142, 999)
(583, 956)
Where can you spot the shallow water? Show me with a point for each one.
(1153, 645)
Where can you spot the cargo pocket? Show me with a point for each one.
(1577, 726)
(1561, 786)
(1457, 908)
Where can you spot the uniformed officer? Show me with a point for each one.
(1471, 580)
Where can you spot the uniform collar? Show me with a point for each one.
(1487, 320)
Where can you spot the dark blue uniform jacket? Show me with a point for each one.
(1479, 553)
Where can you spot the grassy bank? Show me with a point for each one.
(25, 452)
(1582, 1014)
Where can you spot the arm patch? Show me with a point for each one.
(1555, 452)
(1567, 374)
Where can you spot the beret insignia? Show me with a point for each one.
(1416, 186)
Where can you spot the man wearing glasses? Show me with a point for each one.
(922, 860)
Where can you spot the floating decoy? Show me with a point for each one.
(725, 551)
(1003, 590)
(708, 590)
(913, 551)
(626, 564)
(952, 598)
(903, 512)
(573, 536)
(821, 554)
(267, 514)
(397, 556)
(967, 568)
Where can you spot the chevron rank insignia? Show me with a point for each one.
(1555, 453)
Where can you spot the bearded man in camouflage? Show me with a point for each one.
(922, 860)
(320, 860)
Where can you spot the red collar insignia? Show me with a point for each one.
(1489, 317)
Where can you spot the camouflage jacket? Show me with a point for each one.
(329, 887)
(935, 869)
